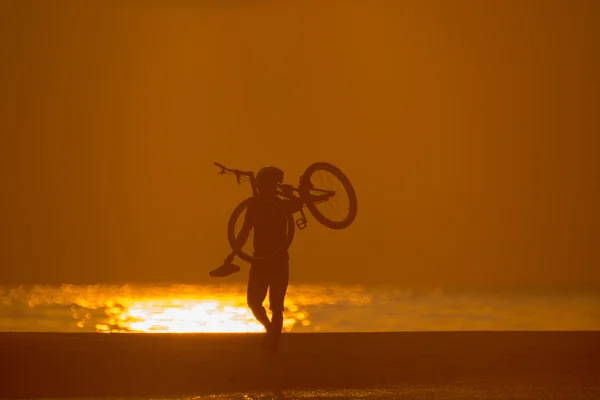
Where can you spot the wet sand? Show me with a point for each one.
(426, 364)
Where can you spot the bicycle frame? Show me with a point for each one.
(300, 222)
(238, 173)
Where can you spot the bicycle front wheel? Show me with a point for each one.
(328, 195)
(271, 233)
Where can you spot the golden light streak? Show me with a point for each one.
(175, 308)
(309, 308)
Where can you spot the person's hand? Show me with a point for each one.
(305, 183)
(286, 189)
(229, 258)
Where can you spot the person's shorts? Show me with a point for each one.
(271, 276)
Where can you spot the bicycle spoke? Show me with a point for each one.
(337, 208)
(319, 187)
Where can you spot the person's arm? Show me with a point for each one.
(244, 233)
(292, 205)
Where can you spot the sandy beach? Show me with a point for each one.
(60, 365)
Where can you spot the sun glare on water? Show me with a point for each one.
(166, 315)
(308, 308)
(165, 309)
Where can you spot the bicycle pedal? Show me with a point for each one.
(301, 223)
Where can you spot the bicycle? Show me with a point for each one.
(311, 195)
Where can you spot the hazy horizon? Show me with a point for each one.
(469, 130)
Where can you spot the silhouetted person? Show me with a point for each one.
(270, 229)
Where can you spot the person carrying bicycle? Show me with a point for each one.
(264, 216)
(269, 216)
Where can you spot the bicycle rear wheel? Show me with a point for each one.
(274, 227)
(339, 210)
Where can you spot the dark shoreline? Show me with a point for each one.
(89, 364)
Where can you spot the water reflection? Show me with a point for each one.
(167, 315)
(174, 308)
(309, 308)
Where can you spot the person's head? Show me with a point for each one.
(267, 180)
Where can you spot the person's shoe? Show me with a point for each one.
(267, 339)
(224, 270)
(273, 346)
(266, 342)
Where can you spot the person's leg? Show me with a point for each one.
(279, 284)
(256, 294)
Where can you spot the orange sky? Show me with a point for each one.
(467, 127)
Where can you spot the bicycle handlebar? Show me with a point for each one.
(237, 172)
(282, 188)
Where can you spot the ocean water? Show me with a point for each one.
(309, 308)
